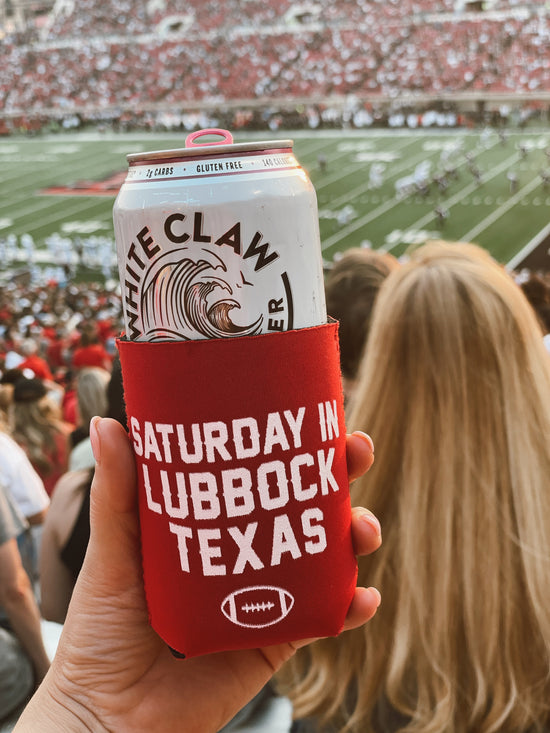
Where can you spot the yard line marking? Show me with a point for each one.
(366, 186)
(313, 147)
(344, 173)
(497, 213)
(64, 170)
(383, 208)
(459, 196)
(358, 223)
(71, 211)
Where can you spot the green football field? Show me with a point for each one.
(377, 188)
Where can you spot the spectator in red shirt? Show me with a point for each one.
(34, 362)
(91, 352)
(69, 399)
(55, 351)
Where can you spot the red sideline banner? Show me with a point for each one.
(243, 489)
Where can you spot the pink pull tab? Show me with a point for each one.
(227, 137)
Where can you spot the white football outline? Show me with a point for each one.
(283, 594)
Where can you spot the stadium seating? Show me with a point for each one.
(111, 57)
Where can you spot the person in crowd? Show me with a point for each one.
(69, 399)
(67, 527)
(38, 428)
(111, 670)
(116, 407)
(12, 346)
(91, 391)
(351, 287)
(6, 395)
(25, 487)
(56, 348)
(537, 292)
(23, 658)
(33, 361)
(90, 352)
(64, 542)
(455, 390)
(18, 476)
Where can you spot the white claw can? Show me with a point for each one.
(218, 239)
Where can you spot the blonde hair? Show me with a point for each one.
(6, 400)
(34, 426)
(91, 390)
(455, 391)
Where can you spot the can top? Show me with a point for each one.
(223, 146)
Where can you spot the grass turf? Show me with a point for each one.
(354, 209)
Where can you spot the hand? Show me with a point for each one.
(111, 671)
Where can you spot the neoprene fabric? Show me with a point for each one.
(243, 488)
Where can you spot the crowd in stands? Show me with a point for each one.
(57, 348)
(52, 329)
(113, 58)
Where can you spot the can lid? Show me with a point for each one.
(223, 146)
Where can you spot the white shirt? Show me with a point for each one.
(19, 478)
(81, 456)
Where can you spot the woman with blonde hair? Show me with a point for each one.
(455, 391)
(38, 427)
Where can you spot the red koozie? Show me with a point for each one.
(243, 487)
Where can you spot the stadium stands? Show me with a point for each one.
(107, 59)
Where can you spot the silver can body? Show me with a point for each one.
(218, 241)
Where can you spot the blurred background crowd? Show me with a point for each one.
(162, 64)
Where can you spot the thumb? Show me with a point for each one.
(114, 524)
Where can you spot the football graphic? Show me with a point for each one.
(257, 606)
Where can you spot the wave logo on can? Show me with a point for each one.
(211, 287)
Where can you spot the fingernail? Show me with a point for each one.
(372, 521)
(365, 437)
(376, 594)
(94, 438)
